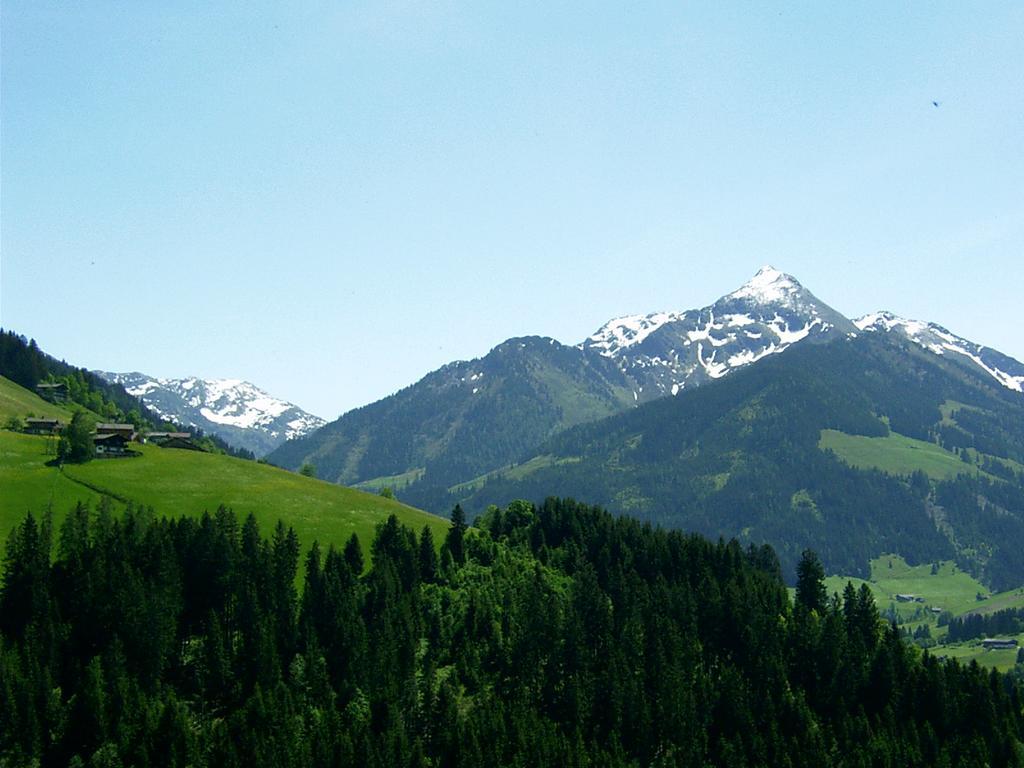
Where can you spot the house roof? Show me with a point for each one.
(51, 385)
(32, 420)
(104, 425)
(107, 437)
(181, 442)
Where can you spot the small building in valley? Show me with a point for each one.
(43, 426)
(110, 444)
(53, 391)
(998, 643)
(909, 598)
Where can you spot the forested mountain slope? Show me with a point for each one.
(466, 418)
(768, 455)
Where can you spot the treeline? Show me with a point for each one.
(25, 364)
(550, 636)
(1009, 621)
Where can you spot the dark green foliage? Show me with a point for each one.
(563, 637)
(454, 543)
(810, 582)
(76, 443)
(1009, 621)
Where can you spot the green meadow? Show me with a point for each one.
(895, 454)
(180, 482)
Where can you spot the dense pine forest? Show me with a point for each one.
(554, 635)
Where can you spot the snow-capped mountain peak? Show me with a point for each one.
(666, 352)
(240, 412)
(935, 338)
(768, 286)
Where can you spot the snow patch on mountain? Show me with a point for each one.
(665, 351)
(620, 334)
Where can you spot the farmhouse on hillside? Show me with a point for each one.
(127, 431)
(43, 426)
(110, 444)
(53, 391)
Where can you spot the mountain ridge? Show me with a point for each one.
(748, 458)
(234, 410)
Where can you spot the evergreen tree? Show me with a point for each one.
(811, 594)
(427, 556)
(454, 540)
(354, 555)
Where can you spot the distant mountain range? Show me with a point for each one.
(235, 410)
(766, 415)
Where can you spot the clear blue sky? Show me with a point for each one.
(331, 199)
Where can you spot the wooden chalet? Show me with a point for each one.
(127, 431)
(110, 444)
(43, 426)
(53, 391)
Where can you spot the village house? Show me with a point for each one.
(110, 444)
(53, 391)
(127, 431)
(904, 598)
(43, 426)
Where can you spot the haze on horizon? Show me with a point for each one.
(330, 202)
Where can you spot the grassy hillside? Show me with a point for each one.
(948, 588)
(177, 482)
(29, 485)
(19, 402)
(894, 453)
